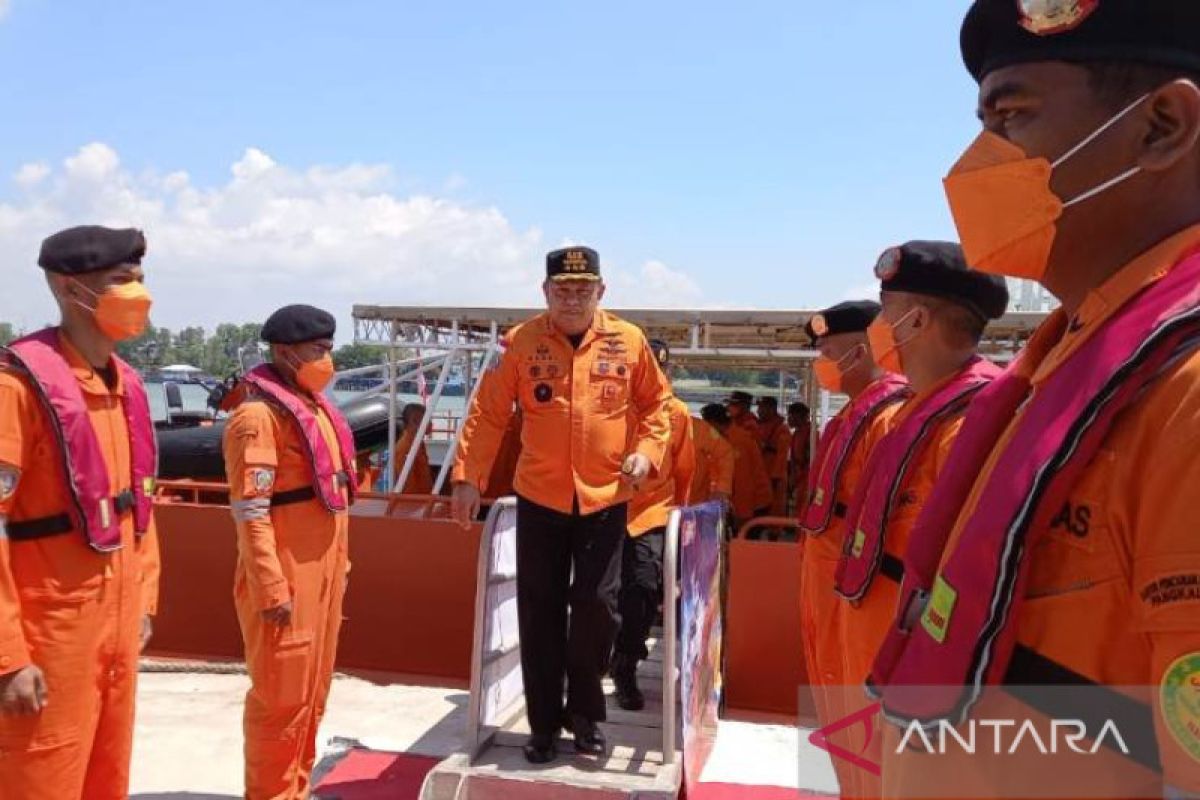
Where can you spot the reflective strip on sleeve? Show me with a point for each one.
(252, 509)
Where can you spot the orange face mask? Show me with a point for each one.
(314, 376)
(1004, 208)
(884, 347)
(829, 372)
(121, 311)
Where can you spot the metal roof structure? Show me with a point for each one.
(725, 338)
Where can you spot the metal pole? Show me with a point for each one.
(391, 443)
(670, 624)
(444, 471)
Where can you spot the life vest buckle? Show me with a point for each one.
(913, 609)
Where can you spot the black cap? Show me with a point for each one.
(854, 316)
(573, 264)
(662, 352)
(91, 248)
(744, 398)
(298, 323)
(1000, 33)
(715, 413)
(938, 269)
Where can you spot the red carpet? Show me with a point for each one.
(734, 791)
(366, 775)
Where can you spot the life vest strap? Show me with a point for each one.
(892, 568)
(58, 524)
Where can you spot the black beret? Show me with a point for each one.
(740, 397)
(714, 413)
(573, 263)
(938, 269)
(90, 248)
(299, 323)
(1000, 33)
(854, 316)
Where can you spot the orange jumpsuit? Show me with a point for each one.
(420, 477)
(581, 408)
(652, 504)
(1114, 589)
(819, 605)
(70, 610)
(775, 440)
(864, 625)
(714, 462)
(751, 485)
(294, 552)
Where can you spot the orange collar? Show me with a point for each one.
(90, 381)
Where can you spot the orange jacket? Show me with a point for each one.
(751, 484)
(651, 506)
(714, 462)
(775, 440)
(1114, 585)
(581, 408)
(30, 487)
(504, 468)
(420, 477)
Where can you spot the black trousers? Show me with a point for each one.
(555, 647)
(641, 591)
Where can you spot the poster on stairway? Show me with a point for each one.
(701, 531)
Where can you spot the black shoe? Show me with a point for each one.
(539, 749)
(588, 737)
(624, 675)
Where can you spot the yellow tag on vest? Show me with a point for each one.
(860, 541)
(936, 619)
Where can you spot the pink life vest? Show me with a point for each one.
(93, 511)
(965, 638)
(327, 480)
(889, 467)
(836, 444)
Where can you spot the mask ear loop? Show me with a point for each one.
(96, 296)
(1104, 187)
(853, 351)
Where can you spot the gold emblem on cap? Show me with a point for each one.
(1048, 17)
(888, 264)
(575, 261)
(818, 324)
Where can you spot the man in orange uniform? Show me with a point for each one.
(288, 454)
(78, 554)
(775, 439)
(1098, 102)
(934, 313)
(712, 479)
(595, 426)
(799, 419)
(642, 558)
(751, 486)
(844, 366)
(420, 477)
(739, 404)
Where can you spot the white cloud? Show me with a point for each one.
(862, 291)
(273, 234)
(5, 5)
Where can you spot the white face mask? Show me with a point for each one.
(1093, 136)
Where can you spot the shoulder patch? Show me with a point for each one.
(259, 481)
(9, 478)
(1180, 702)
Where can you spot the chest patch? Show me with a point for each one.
(1181, 702)
(542, 393)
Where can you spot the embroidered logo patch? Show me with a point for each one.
(262, 479)
(9, 478)
(1181, 702)
(542, 393)
(936, 619)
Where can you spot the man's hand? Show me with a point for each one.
(23, 691)
(464, 504)
(635, 469)
(279, 615)
(147, 631)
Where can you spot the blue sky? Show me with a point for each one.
(761, 154)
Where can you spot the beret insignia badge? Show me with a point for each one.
(1048, 17)
(819, 326)
(888, 264)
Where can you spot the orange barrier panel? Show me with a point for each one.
(411, 604)
(764, 657)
